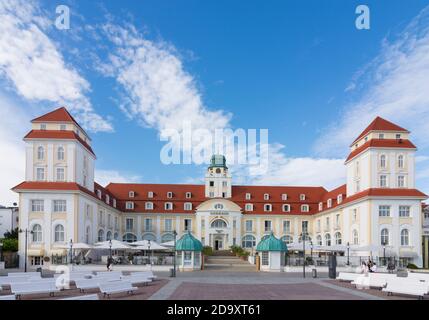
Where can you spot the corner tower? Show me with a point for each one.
(218, 179)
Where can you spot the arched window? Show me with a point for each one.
(88, 234)
(384, 237)
(40, 153)
(149, 236)
(100, 235)
(59, 233)
(355, 235)
(319, 240)
(248, 241)
(327, 239)
(337, 237)
(405, 237)
(116, 236)
(60, 153)
(382, 161)
(218, 223)
(287, 239)
(108, 235)
(167, 237)
(129, 237)
(37, 233)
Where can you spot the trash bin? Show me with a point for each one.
(172, 272)
(314, 272)
(332, 264)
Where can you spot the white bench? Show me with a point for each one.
(406, 286)
(134, 279)
(7, 281)
(35, 287)
(107, 274)
(117, 287)
(8, 297)
(147, 274)
(87, 284)
(20, 274)
(418, 276)
(348, 276)
(374, 280)
(87, 297)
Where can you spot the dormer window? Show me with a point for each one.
(114, 203)
(268, 207)
(339, 198)
(248, 207)
(148, 206)
(329, 203)
(284, 196)
(266, 196)
(169, 194)
(320, 206)
(99, 194)
(398, 136)
(129, 205)
(63, 127)
(187, 206)
(302, 197)
(305, 208)
(248, 196)
(43, 126)
(107, 199)
(131, 194)
(188, 195)
(168, 206)
(381, 136)
(150, 194)
(286, 208)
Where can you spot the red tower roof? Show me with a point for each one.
(380, 124)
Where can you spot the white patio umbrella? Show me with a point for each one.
(168, 243)
(146, 245)
(116, 245)
(77, 245)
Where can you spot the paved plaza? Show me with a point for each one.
(225, 285)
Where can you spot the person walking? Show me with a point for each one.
(109, 264)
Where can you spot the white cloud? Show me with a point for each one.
(394, 86)
(12, 148)
(104, 177)
(36, 69)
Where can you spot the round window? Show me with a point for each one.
(218, 206)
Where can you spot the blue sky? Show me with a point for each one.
(298, 68)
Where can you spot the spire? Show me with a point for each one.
(218, 161)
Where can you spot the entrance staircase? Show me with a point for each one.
(224, 260)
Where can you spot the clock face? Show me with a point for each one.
(218, 170)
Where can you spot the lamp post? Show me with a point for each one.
(71, 252)
(148, 247)
(303, 254)
(174, 260)
(348, 253)
(26, 231)
(311, 251)
(384, 253)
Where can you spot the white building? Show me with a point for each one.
(8, 219)
(377, 207)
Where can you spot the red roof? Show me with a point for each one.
(58, 115)
(380, 124)
(382, 143)
(58, 134)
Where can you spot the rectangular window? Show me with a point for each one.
(354, 215)
(304, 225)
(327, 223)
(129, 205)
(43, 126)
(63, 127)
(148, 206)
(286, 226)
(188, 206)
(129, 224)
(150, 194)
(384, 211)
(318, 226)
(211, 194)
(401, 181)
(267, 207)
(404, 211)
(305, 208)
(357, 186)
(188, 224)
(381, 136)
(211, 183)
(249, 207)
(248, 196)
(224, 183)
(284, 196)
(60, 174)
(249, 225)
(169, 194)
(168, 206)
(337, 221)
(264, 260)
(383, 181)
(40, 174)
(286, 208)
(267, 226)
(60, 205)
(37, 206)
(147, 224)
(168, 224)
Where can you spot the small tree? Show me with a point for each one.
(13, 234)
(10, 245)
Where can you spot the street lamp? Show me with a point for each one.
(384, 253)
(26, 231)
(348, 253)
(174, 260)
(303, 236)
(311, 251)
(71, 251)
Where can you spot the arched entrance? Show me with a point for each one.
(218, 242)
